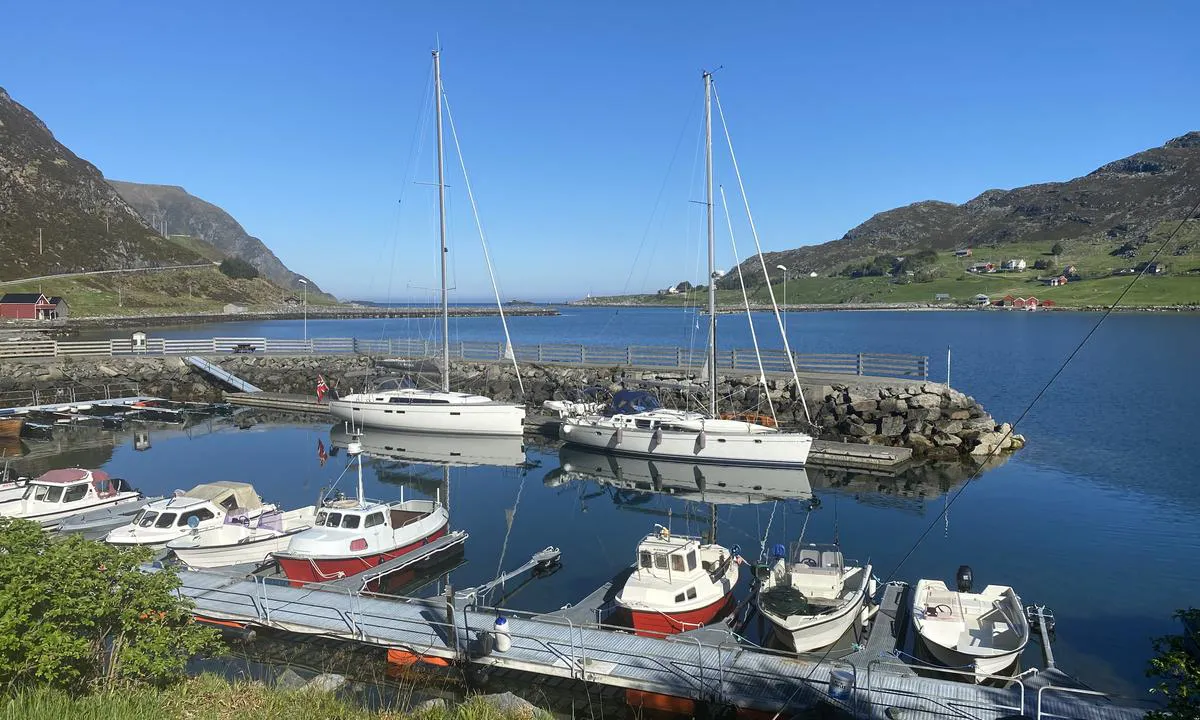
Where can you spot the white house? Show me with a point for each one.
(1015, 265)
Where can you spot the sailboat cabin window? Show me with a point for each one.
(691, 560)
(351, 521)
(646, 559)
(75, 493)
(373, 519)
(677, 563)
(660, 561)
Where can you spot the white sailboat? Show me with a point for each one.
(984, 632)
(440, 410)
(635, 424)
(457, 450)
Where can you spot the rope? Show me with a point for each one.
(762, 373)
(766, 276)
(487, 256)
(762, 552)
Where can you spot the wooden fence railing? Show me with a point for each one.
(643, 356)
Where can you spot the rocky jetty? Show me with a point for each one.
(936, 421)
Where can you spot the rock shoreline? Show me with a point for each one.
(937, 422)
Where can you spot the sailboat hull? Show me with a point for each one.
(485, 418)
(765, 449)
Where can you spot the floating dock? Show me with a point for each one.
(699, 668)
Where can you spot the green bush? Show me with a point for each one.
(1177, 666)
(238, 269)
(76, 613)
(1056, 249)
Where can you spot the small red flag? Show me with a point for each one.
(321, 454)
(322, 388)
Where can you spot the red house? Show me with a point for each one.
(30, 306)
(1048, 303)
(1018, 302)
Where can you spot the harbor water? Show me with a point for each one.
(1096, 517)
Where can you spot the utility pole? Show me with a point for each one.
(304, 284)
(39, 241)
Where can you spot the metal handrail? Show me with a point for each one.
(953, 671)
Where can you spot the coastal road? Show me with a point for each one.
(61, 276)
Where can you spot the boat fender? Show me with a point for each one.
(701, 440)
(503, 639)
(965, 578)
(872, 586)
(619, 436)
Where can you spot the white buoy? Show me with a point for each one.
(503, 639)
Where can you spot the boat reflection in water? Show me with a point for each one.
(717, 484)
(434, 449)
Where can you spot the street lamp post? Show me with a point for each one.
(304, 283)
(785, 297)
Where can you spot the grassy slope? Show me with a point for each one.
(210, 698)
(1092, 259)
(164, 292)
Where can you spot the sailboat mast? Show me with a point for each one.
(441, 172)
(712, 275)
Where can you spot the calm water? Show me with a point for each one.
(1097, 517)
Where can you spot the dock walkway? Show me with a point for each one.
(729, 673)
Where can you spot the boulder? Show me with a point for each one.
(942, 453)
(892, 405)
(891, 425)
(510, 705)
(950, 427)
(925, 400)
(326, 682)
(960, 415)
(919, 443)
(289, 679)
(864, 406)
(944, 439)
(430, 706)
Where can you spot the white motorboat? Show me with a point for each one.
(442, 410)
(209, 503)
(680, 583)
(97, 523)
(59, 494)
(350, 535)
(498, 450)
(813, 597)
(241, 540)
(635, 424)
(719, 484)
(982, 632)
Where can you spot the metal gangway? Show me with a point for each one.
(221, 374)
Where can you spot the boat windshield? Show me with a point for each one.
(337, 519)
(629, 402)
(145, 518)
(165, 520)
(45, 493)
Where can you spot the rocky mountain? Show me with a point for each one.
(1122, 201)
(181, 213)
(84, 223)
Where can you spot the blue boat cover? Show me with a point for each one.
(629, 402)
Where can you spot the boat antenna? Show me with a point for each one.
(441, 182)
(711, 360)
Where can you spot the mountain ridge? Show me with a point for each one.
(1123, 200)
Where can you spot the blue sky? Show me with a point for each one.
(579, 122)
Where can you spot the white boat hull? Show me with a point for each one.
(491, 418)
(983, 667)
(809, 633)
(253, 551)
(765, 449)
(983, 632)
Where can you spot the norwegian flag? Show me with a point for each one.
(321, 454)
(322, 388)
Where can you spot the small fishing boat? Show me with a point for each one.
(97, 523)
(209, 503)
(680, 583)
(350, 535)
(983, 632)
(59, 494)
(812, 597)
(241, 539)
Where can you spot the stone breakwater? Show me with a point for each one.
(937, 422)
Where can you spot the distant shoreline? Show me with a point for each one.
(893, 307)
(318, 313)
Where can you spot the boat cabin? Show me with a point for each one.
(206, 501)
(72, 486)
(816, 570)
(669, 567)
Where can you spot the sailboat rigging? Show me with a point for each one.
(441, 410)
(635, 424)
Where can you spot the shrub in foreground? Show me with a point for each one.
(76, 613)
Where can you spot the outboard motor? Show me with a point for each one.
(965, 578)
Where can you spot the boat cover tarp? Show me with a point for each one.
(217, 492)
(630, 402)
(70, 475)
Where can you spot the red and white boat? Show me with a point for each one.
(351, 535)
(680, 583)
